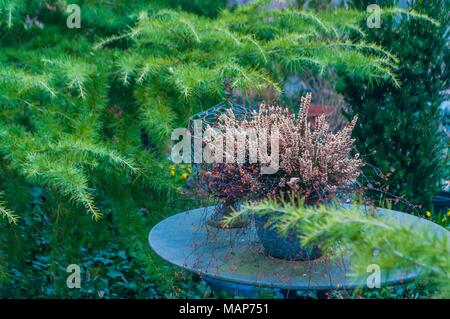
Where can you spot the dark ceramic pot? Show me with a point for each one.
(279, 246)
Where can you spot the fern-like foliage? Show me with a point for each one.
(372, 239)
(85, 114)
(5, 212)
(178, 60)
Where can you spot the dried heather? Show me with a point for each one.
(313, 161)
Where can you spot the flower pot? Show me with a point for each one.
(221, 211)
(279, 246)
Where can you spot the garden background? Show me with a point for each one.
(86, 116)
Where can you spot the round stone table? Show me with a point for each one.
(233, 260)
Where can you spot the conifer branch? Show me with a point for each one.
(7, 213)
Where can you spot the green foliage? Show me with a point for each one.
(372, 239)
(45, 244)
(187, 58)
(7, 213)
(408, 154)
(85, 116)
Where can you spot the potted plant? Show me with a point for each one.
(314, 163)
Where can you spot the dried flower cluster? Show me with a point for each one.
(231, 182)
(313, 161)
